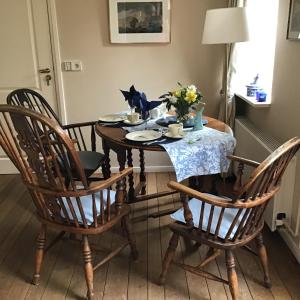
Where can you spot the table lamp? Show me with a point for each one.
(225, 26)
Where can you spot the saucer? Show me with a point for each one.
(135, 123)
(177, 137)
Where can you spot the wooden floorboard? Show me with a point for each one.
(176, 284)
(285, 264)
(138, 273)
(155, 291)
(62, 274)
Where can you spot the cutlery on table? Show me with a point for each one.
(194, 140)
(153, 142)
(108, 124)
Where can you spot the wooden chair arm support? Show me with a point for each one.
(110, 181)
(79, 193)
(75, 125)
(213, 201)
(74, 141)
(245, 161)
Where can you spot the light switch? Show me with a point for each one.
(72, 65)
(67, 66)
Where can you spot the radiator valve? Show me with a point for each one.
(280, 219)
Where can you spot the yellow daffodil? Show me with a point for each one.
(190, 96)
(178, 93)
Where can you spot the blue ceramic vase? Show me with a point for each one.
(198, 125)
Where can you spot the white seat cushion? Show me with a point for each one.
(195, 207)
(87, 206)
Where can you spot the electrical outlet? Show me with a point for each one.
(76, 65)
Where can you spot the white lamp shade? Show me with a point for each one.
(225, 25)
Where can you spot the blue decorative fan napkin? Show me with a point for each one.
(139, 101)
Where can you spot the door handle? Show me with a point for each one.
(44, 71)
(48, 78)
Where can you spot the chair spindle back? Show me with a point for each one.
(31, 99)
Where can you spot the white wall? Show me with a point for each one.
(153, 68)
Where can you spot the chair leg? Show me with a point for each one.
(39, 254)
(232, 277)
(130, 236)
(169, 257)
(262, 253)
(88, 267)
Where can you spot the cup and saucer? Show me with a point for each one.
(133, 119)
(175, 131)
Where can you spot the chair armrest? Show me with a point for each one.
(77, 134)
(210, 199)
(245, 161)
(84, 192)
(110, 181)
(120, 187)
(76, 125)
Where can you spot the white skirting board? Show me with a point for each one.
(292, 243)
(7, 167)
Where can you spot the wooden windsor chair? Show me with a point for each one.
(89, 157)
(41, 149)
(226, 224)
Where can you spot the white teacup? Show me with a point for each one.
(133, 117)
(176, 129)
(155, 113)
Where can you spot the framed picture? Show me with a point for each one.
(294, 21)
(139, 21)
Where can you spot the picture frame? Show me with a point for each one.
(140, 21)
(293, 32)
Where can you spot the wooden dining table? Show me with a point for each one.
(113, 139)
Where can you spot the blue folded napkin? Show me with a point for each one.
(139, 101)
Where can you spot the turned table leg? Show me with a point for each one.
(142, 174)
(121, 157)
(106, 168)
(131, 191)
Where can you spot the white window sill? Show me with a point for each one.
(253, 102)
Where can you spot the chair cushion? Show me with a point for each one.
(87, 206)
(195, 207)
(91, 161)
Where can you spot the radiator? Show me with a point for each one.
(254, 144)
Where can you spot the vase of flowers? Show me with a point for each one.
(183, 100)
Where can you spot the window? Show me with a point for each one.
(257, 55)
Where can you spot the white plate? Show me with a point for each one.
(135, 123)
(143, 135)
(111, 118)
(168, 134)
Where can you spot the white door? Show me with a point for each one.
(25, 53)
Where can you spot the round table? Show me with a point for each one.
(113, 138)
